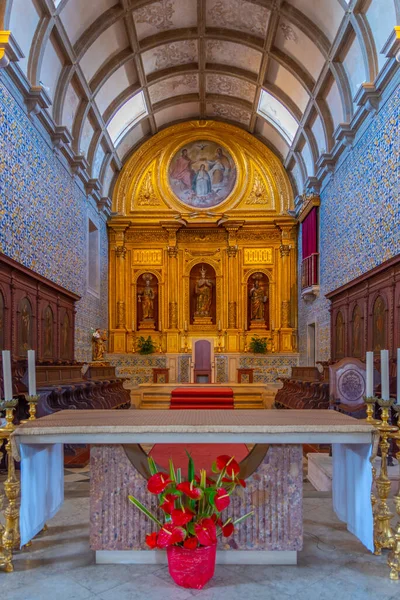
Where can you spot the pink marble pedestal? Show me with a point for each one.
(274, 491)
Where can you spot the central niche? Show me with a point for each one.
(202, 295)
(202, 174)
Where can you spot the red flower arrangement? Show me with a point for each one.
(192, 515)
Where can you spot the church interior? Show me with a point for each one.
(199, 294)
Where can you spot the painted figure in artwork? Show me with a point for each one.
(202, 182)
(257, 299)
(202, 174)
(182, 170)
(379, 329)
(146, 297)
(203, 292)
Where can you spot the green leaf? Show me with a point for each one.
(246, 516)
(144, 510)
(214, 467)
(179, 475)
(172, 470)
(190, 528)
(152, 465)
(190, 467)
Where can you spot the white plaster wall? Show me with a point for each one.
(267, 131)
(78, 15)
(109, 43)
(299, 47)
(86, 137)
(71, 104)
(117, 83)
(285, 81)
(308, 159)
(318, 132)
(354, 67)
(132, 137)
(51, 68)
(182, 111)
(23, 29)
(335, 104)
(327, 14)
(381, 27)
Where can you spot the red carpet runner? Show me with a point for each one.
(201, 397)
(202, 454)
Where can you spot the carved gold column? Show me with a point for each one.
(117, 289)
(233, 341)
(286, 344)
(173, 287)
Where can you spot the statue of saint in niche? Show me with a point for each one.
(146, 297)
(99, 338)
(258, 299)
(203, 292)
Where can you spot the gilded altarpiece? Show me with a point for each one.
(202, 208)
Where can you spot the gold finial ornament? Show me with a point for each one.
(394, 555)
(383, 535)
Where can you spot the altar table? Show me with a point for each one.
(118, 466)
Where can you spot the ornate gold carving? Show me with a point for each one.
(173, 315)
(285, 313)
(258, 236)
(120, 251)
(188, 236)
(147, 257)
(152, 236)
(147, 195)
(284, 250)
(258, 194)
(120, 314)
(232, 315)
(202, 252)
(172, 251)
(232, 251)
(258, 256)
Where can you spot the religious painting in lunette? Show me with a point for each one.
(202, 174)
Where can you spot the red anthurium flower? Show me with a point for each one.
(222, 499)
(190, 490)
(206, 532)
(228, 463)
(158, 482)
(216, 519)
(170, 534)
(241, 482)
(190, 543)
(169, 503)
(182, 516)
(228, 529)
(151, 540)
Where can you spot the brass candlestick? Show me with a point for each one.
(160, 340)
(10, 539)
(185, 344)
(371, 401)
(32, 401)
(394, 555)
(133, 342)
(246, 349)
(384, 536)
(219, 348)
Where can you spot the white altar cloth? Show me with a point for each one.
(40, 444)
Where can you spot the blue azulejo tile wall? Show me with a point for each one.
(359, 218)
(44, 217)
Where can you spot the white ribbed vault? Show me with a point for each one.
(292, 72)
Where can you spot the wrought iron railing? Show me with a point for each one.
(309, 271)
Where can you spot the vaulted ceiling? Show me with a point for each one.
(292, 72)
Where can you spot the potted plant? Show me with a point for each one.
(258, 345)
(190, 517)
(146, 345)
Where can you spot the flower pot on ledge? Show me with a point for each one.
(191, 568)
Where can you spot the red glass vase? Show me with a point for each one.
(191, 568)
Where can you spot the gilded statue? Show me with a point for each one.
(99, 338)
(257, 299)
(203, 292)
(146, 297)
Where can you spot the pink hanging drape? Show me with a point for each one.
(309, 234)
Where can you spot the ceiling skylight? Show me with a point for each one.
(127, 116)
(275, 113)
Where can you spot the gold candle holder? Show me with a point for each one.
(246, 349)
(32, 401)
(219, 348)
(394, 555)
(134, 342)
(160, 340)
(10, 539)
(383, 535)
(185, 343)
(371, 402)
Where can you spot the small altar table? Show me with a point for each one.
(274, 471)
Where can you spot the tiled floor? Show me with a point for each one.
(332, 566)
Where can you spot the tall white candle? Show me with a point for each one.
(31, 373)
(369, 392)
(7, 379)
(398, 375)
(385, 374)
